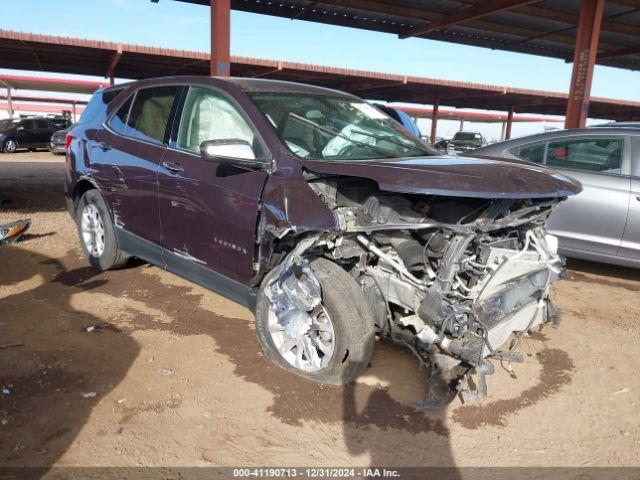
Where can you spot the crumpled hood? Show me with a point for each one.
(456, 176)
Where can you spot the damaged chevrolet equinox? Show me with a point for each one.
(323, 216)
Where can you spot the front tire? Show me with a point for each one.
(344, 319)
(10, 146)
(97, 235)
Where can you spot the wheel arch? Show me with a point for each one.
(82, 186)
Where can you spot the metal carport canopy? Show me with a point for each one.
(35, 52)
(545, 28)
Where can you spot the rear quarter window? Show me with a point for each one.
(531, 153)
(98, 104)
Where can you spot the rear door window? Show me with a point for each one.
(587, 154)
(150, 113)
(27, 124)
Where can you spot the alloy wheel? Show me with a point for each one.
(305, 340)
(10, 146)
(92, 230)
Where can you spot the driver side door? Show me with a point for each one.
(209, 209)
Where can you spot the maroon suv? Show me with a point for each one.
(325, 217)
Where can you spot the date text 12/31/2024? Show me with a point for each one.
(327, 472)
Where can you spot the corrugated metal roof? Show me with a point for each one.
(28, 51)
(540, 28)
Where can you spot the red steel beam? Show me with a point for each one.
(584, 59)
(29, 98)
(220, 38)
(434, 120)
(507, 134)
(111, 69)
(479, 10)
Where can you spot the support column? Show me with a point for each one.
(434, 120)
(9, 102)
(220, 38)
(503, 134)
(584, 59)
(507, 133)
(111, 69)
(74, 111)
(461, 124)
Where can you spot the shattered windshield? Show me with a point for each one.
(319, 127)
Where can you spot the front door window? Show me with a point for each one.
(207, 115)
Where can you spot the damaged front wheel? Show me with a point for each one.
(312, 319)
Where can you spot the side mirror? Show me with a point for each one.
(231, 151)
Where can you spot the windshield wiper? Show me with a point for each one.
(390, 139)
(333, 131)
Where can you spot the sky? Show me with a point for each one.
(173, 24)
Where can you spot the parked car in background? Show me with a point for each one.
(603, 222)
(463, 141)
(29, 133)
(57, 144)
(60, 122)
(312, 208)
(402, 118)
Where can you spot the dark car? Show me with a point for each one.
(29, 133)
(603, 222)
(463, 141)
(57, 143)
(323, 216)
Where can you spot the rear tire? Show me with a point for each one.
(9, 146)
(96, 232)
(351, 319)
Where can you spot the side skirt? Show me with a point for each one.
(187, 269)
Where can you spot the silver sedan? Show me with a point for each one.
(603, 222)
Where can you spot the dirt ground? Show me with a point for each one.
(172, 374)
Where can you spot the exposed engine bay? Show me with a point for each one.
(458, 281)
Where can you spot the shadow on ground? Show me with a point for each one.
(53, 381)
(52, 377)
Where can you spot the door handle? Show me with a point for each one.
(173, 167)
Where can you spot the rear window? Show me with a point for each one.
(531, 153)
(61, 123)
(98, 103)
(467, 136)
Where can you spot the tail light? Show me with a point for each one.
(68, 139)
